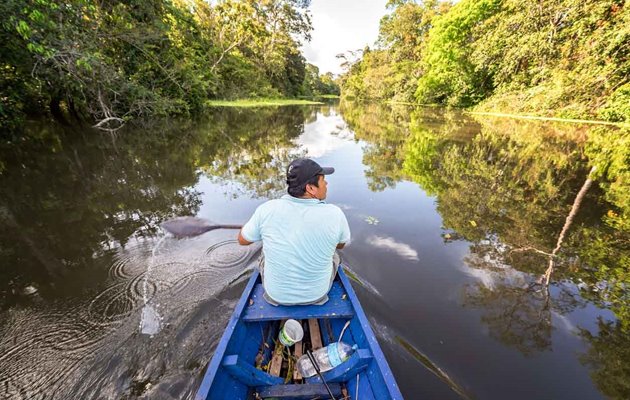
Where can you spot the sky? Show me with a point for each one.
(341, 25)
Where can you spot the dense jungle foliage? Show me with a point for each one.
(563, 58)
(110, 60)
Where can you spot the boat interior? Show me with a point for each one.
(256, 365)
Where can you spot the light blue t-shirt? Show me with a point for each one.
(299, 239)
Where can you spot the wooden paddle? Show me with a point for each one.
(182, 227)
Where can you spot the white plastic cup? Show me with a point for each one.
(291, 333)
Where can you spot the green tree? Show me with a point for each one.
(108, 62)
(392, 70)
(566, 58)
(451, 76)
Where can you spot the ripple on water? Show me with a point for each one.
(162, 275)
(38, 382)
(200, 282)
(121, 299)
(41, 350)
(114, 303)
(154, 285)
(229, 254)
(129, 262)
(123, 268)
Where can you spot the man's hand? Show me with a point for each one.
(341, 245)
(242, 241)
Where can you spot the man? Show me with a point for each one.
(300, 233)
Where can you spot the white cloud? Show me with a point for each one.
(565, 322)
(491, 271)
(323, 135)
(341, 25)
(387, 243)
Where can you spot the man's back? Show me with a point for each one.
(299, 239)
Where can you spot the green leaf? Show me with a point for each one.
(23, 29)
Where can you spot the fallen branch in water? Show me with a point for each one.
(109, 119)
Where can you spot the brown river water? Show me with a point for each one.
(453, 218)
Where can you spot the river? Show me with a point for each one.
(453, 218)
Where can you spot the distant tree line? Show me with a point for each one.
(566, 58)
(110, 61)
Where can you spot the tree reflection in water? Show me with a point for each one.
(70, 197)
(517, 309)
(262, 145)
(608, 357)
(507, 187)
(503, 186)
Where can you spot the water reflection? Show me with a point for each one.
(69, 199)
(264, 143)
(509, 183)
(81, 215)
(255, 149)
(608, 357)
(447, 210)
(506, 187)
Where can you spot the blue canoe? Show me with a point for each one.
(244, 366)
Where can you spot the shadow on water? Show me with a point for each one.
(364, 284)
(68, 198)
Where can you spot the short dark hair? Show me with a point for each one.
(299, 191)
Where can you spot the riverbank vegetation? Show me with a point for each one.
(108, 62)
(565, 58)
(260, 102)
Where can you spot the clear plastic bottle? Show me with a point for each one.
(327, 358)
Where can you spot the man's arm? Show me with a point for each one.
(242, 241)
(344, 230)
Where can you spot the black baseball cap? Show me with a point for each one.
(302, 169)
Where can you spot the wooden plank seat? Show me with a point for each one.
(308, 391)
(338, 306)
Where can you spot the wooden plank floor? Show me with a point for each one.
(276, 360)
(297, 352)
(316, 336)
(294, 382)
